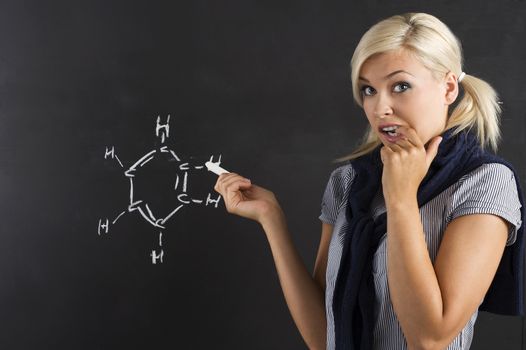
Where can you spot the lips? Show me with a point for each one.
(391, 138)
(385, 134)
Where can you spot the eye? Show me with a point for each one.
(364, 90)
(403, 83)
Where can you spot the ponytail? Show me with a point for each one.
(478, 109)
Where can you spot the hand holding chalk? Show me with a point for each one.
(244, 198)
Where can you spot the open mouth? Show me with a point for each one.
(390, 130)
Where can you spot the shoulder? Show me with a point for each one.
(340, 180)
(492, 172)
(343, 174)
(490, 189)
(336, 191)
(487, 182)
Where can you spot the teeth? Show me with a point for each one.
(390, 128)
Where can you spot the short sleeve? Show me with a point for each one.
(489, 189)
(335, 193)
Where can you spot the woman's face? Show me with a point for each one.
(411, 98)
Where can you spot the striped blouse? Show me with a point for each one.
(490, 189)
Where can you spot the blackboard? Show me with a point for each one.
(263, 84)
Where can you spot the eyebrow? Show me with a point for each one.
(388, 75)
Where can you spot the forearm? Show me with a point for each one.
(413, 285)
(304, 297)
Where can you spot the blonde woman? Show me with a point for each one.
(422, 225)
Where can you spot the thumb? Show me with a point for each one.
(432, 149)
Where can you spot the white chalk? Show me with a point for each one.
(215, 168)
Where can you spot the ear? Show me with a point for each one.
(451, 88)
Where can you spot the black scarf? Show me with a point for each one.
(354, 294)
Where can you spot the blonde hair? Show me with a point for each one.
(439, 50)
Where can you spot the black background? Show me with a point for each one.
(266, 84)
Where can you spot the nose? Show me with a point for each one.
(382, 107)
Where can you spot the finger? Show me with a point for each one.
(404, 143)
(384, 153)
(231, 177)
(237, 186)
(432, 149)
(387, 149)
(220, 182)
(225, 180)
(227, 190)
(234, 184)
(411, 135)
(395, 148)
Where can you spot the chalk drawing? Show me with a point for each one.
(142, 205)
